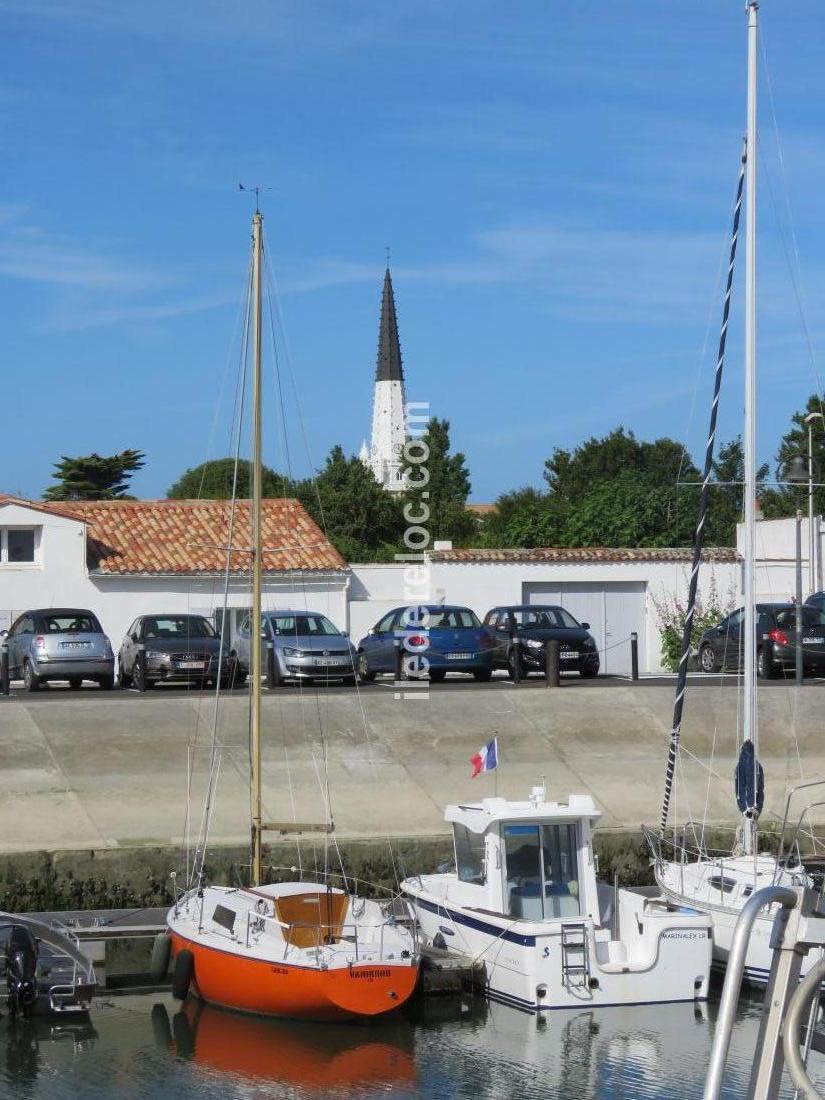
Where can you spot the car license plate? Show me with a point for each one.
(459, 656)
(192, 664)
(326, 661)
(568, 655)
(75, 645)
(813, 641)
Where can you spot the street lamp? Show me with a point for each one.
(796, 473)
(813, 554)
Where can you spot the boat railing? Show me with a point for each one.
(792, 793)
(327, 935)
(798, 928)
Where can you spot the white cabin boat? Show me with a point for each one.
(524, 901)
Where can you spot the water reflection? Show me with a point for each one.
(317, 1058)
(152, 1049)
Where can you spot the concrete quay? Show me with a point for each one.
(94, 771)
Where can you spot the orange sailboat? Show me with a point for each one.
(296, 949)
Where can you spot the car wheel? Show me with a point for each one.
(707, 659)
(75, 682)
(437, 675)
(31, 681)
(139, 681)
(106, 683)
(588, 673)
(765, 667)
(482, 675)
(364, 671)
(274, 678)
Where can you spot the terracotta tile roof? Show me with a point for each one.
(190, 536)
(482, 509)
(586, 554)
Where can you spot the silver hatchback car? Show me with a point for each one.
(59, 643)
(305, 646)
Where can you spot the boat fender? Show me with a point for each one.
(182, 974)
(161, 950)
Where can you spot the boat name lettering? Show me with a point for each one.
(370, 974)
(675, 934)
(279, 969)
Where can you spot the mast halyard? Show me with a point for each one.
(257, 542)
(749, 624)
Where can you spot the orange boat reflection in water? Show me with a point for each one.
(315, 1057)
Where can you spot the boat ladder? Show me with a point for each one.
(575, 958)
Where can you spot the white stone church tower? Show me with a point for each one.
(389, 412)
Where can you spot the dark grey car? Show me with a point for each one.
(172, 649)
(59, 643)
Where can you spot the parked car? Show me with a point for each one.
(305, 646)
(59, 643)
(525, 630)
(721, 646)
(172, 649)
(438, 639)
(816, 599)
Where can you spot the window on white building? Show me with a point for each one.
(19, 545)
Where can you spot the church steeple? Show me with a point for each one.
(389, 411)
(388, 367)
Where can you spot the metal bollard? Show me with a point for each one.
(4, 670)
(515, 648)
(271, 681)
(399, 661)
(552, 677)
(634, 656)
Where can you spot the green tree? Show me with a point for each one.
(523, 518)
(213, 481)
(94, 476)
(785, 499)
(365, 522)
(448, 486)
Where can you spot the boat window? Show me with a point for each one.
(747, 891)
(718, 882)
(561, 870)
(522, 853)
(469, 855)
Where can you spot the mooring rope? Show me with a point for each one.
(699, 538)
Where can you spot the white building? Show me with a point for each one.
(775, 557)
(389, 412)
(122, 559)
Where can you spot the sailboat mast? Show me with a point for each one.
(749, 624)
(255, 617)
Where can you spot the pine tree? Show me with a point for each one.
(94, 476)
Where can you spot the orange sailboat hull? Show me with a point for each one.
(269, 988)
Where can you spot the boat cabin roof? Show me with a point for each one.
(478, 817)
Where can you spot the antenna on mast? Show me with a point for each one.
(257, 191)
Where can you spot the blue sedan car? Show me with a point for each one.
(434, 640)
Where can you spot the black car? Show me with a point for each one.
(173, 649)
(721, 646)
(523, 630)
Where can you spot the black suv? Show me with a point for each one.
(523, 630)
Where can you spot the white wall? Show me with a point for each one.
(775, 557)
(482, 585)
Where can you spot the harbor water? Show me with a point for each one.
(148, 1047)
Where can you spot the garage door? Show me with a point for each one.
(614, 609)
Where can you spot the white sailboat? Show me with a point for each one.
(719, 884)
(296, 949)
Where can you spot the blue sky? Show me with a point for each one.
(555, 180)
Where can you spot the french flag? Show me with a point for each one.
(485, 759)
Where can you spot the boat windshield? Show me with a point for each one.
(541, 871)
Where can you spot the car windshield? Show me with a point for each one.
(544, 617)
(70, 624)
(179, 626)
(304, 626)
(450, 617)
